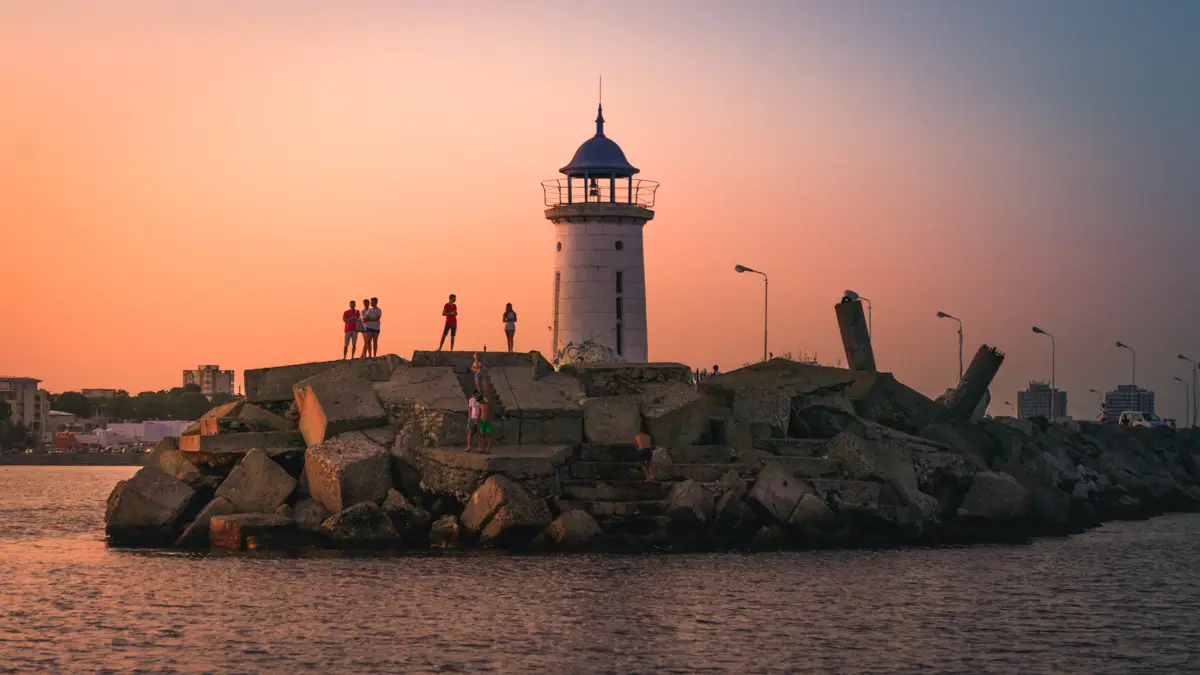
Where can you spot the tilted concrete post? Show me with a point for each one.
(974, 386)
(856, 336)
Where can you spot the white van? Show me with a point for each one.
(1133, 418)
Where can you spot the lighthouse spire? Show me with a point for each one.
(600, 110)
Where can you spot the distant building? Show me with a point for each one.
(98, 393)
(30, 406)
(1036, 402)
(1128, 397)
(148, 432)
(210, 379)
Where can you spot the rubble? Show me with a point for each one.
(776, 455)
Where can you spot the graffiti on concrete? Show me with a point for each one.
(587, 352)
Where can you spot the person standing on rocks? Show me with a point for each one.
(645, 454)
(510, 324)
(473, 412)
(450, 311)
(485, 424)
(362, 329)
(371, 326)
(479, 370)
(352, 321)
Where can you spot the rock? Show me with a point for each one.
(309, 514)
(776, 492)
(331, 403)
(284, 510)
(363, 525)
(769, 538)
(345, 471)
(811, 514)
(257, 484)
(732, 482)
(502, 512)
(573, 530)
(818, 421)
(412, 522)
(444, 532)
(147, 509)
(854, 453)
(733, 518)
(1050, 509)
(995, 497)
(689, 506)
(673, 412)
(173, 463)
(405, 468)
(611, 419)
(253, 531)
(762, 406)
(196, 533)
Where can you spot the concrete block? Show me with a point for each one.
(330, 405)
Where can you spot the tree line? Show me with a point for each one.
(179, 403)
(13, 436)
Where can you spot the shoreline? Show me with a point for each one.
(74, 459)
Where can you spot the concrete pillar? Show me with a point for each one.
(856, 337)
(974, 386)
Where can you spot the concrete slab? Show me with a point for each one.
(519, 391)
(240, 444)
(518, 462)
(785, 376)
(615, 379)
(274, 384)
(461, 361)
(432, 387)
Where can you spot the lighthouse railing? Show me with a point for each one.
(637, 192)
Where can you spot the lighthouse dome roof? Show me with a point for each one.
(599, 156)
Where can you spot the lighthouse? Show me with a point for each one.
(598, 210)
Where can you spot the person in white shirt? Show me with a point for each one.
(473, 413)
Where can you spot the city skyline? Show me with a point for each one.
(183, 186)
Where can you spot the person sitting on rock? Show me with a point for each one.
(645, 454)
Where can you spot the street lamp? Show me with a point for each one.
(1195, 392)
(1133, 377)
(852, 296)
(1187, 396)
(943, 315)
(1053, 357)
(740, 269)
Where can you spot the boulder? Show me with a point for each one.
(363, 525)
(769, 538)
(761, 406)
(347, 470)
(502, 512)
(257, 484)
(252, 531)
(1050, 509)
(573, 530)
(309, 514)
(995, 497)
(818, 421)
(285, 511)
(445, 532)
(196, 533)
(331, 404)
(412, 522)
(673, 413)
(689, 505)
(733, 518)
(811, 514)
(611, 419)
(405, 467)
(777, 492)
(173, 463)
(148, 508)
(732, 481)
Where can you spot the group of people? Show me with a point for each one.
(366, 323)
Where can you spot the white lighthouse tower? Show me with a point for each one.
(598, 212)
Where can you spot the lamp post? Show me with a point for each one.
(855, 296)
(1099, 400)
(1010, 407)
(742, 269)
(1053, 357)
(1187, 398)
(1195, 392)
(1133, 377)
(943, 315)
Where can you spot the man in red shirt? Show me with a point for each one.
(350, 318)
(450, 311)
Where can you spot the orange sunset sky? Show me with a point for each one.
(186, 183)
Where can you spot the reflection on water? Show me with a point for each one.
(1118, 600)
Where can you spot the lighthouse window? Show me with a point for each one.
(620, 279)
(620, 245)
(558, 246)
